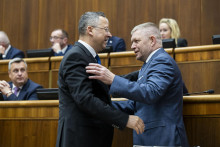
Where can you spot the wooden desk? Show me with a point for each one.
(197, 53)
(55, 65)
(38, 70)
(34, 123)
(199, 66)
(202, 120)
(28, 123)
(4, 70)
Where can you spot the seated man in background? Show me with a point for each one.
(59, 39)
(6, 50)
(20, 87)
(118, 44)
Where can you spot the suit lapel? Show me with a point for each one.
(91, 59)
(144, 67)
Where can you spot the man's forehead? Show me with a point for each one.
(17, 64)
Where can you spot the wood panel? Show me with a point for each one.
(12, 21)
(34, 123)
(201, 75)
(196, 53)
(190, 28)
(202, 120)
(210, 20)
(28, 123)
(29, 22)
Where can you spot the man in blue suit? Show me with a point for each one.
(59, 39)
(6, 50)
(154, 93)
(20, 87)
(118, 44)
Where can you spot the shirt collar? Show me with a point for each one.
(151, 54)
(89, 48)
(64, 49)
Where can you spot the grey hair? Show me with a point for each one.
(89, 19)
(16, 60)
(149, 28)
(4, 38)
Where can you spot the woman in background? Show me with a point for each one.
(170, 29)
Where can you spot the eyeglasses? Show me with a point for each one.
(55, 38)
(106, 29)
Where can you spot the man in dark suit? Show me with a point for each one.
(59, 39)
(118, 44)
(20, 87)
(86, 115)
(155, 92)
(6, 50)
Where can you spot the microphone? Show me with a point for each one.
(210, 91)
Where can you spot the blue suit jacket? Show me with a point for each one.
(118, 44)
(28, 92)
(156, 97)
(61, 54)
(13, 53)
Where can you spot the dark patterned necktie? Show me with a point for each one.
(98, 59)
(17, 89)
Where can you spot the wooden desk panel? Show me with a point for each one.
(202, 120)
(201, 75)
(34, 123)
(28, 123)
(196, 53)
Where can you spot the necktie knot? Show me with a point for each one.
(98, 59)
(16, 90)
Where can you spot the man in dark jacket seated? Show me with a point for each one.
(6, 50)
(20, 87)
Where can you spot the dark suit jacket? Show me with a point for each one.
(118, 44)
(86, 116)
(157, 98)
(13, 53)
(61, 53)
(181, 42)
(28, 92)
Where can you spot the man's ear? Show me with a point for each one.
(90, 30)
(153, 40)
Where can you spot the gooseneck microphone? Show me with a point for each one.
(210, 91)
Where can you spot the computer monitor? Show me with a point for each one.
(107, 49)
(216, 39)
(47, 94)
(169, 43)
(39, 53)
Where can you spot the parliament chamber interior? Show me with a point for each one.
(29, 23)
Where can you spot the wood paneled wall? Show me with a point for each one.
(29, 23)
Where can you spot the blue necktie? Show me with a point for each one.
(98, 59)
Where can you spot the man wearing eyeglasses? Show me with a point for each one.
(59, 39)
(86, 115)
